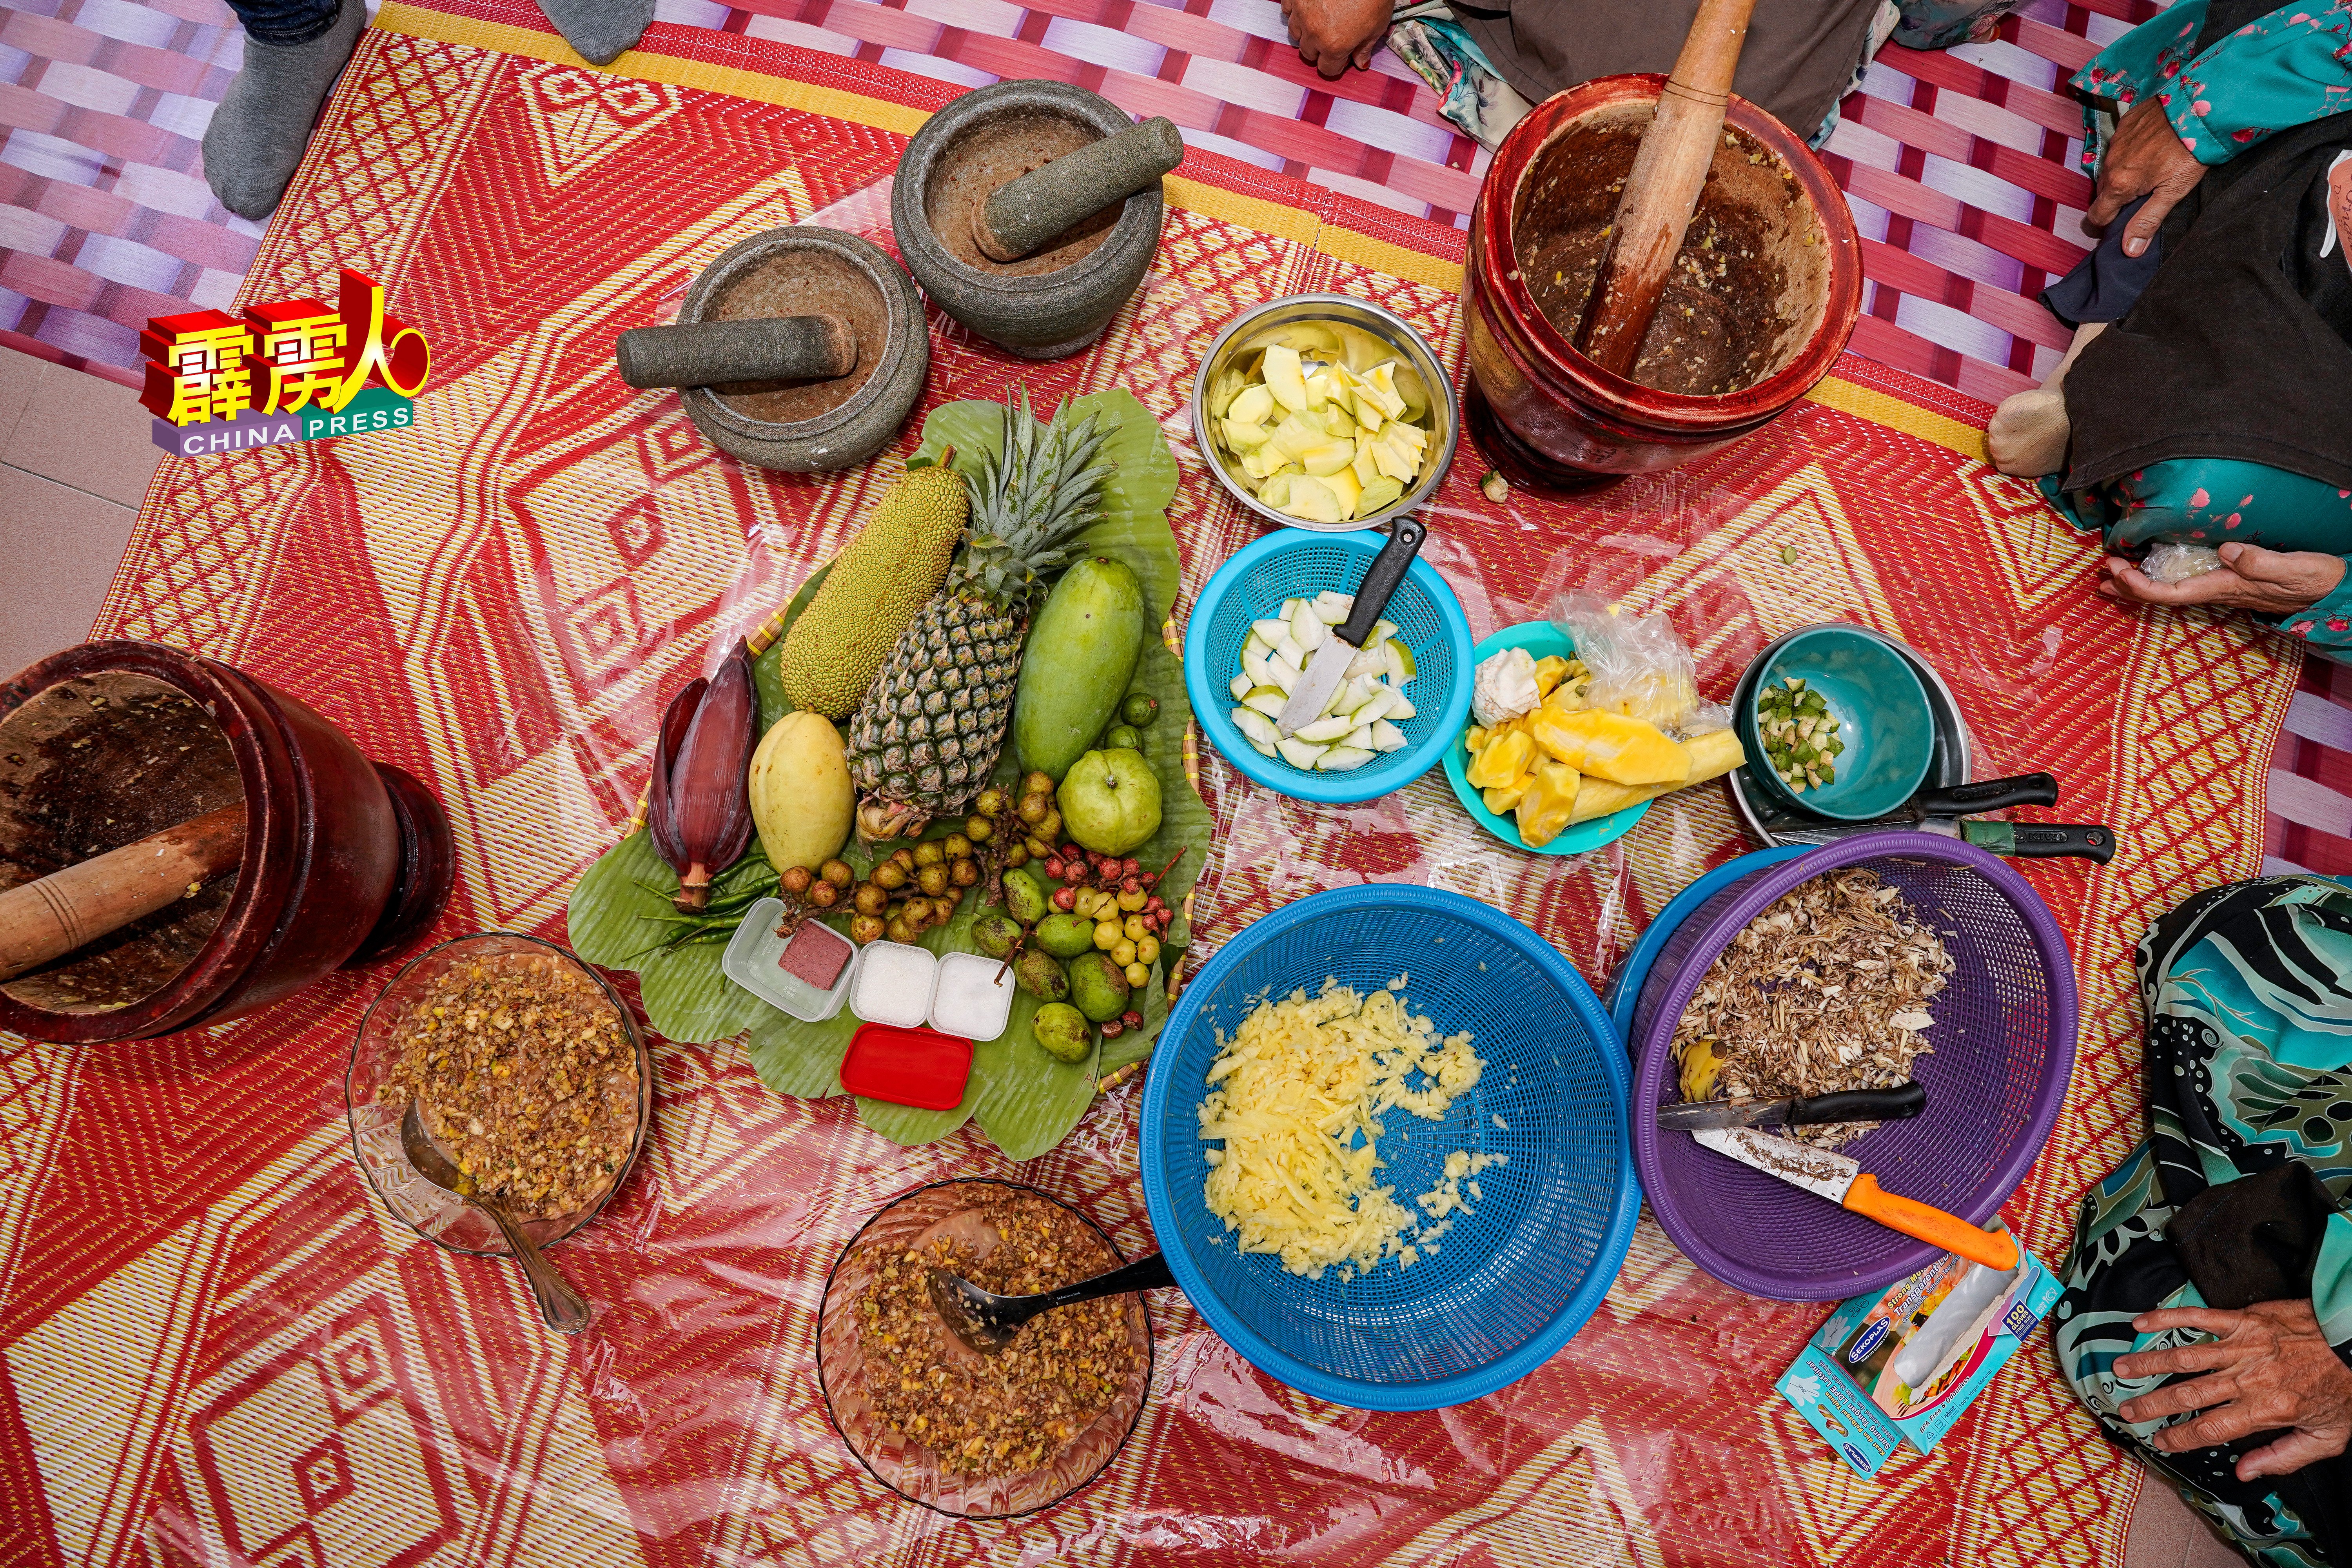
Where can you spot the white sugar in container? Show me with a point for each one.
(974, 997)
(893, 984)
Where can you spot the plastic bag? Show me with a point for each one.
(2171, 563)
(1639, 667)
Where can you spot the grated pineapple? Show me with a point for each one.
(1290, 1093)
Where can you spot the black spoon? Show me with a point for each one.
(987, 1322)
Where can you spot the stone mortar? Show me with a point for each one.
(871, 418)
(1041, 316)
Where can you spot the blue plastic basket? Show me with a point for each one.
(1512, 1281)
(1296, 563)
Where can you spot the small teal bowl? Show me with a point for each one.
(1883, 717)
(1542, 639)
(1293, 563)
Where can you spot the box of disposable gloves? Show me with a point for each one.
(1904, 1363)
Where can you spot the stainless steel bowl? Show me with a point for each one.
(1255, 328)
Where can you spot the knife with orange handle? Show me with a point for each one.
(1845, 1183)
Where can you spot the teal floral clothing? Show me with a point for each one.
(2284, 69)
(2247, 997)
(2213, 501)
(2288, 67)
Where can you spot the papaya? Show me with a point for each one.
(1501, 761)
(1077, 667)
(801, 800)
(1610, 746)
(1712, 756)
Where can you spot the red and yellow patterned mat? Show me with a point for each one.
(214, 1348)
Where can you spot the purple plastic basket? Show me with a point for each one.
(2004, 1047)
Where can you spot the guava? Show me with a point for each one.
(1110, 802)
(1062, 1031)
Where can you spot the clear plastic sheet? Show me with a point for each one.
(686, 1426)
(2171, 562)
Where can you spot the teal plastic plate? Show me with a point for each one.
(1542, 639)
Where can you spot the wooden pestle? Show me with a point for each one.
(1663, 190)
(1021, 215)
(753, 348)
(73, 908)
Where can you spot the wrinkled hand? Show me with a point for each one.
(2269, 1367)
(2146, 158)
(1332, 35)
(2269, 582)
(2339, 207)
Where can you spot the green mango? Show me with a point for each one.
(1080, 658)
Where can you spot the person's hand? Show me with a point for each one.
(1332, 35)
(2147, 158)
(2339, 205)
(2268, 582)
(2270, 1368)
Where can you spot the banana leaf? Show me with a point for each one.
(1025, 1099)
(620, 917)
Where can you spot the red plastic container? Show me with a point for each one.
(1545, 414)
(921, 1068)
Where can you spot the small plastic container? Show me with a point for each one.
(973, 997)
(755, 960)
(893, 984)
(921, 1068)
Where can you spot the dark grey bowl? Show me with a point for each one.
(1053, 313)
(860, 428)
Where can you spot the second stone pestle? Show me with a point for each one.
(1024, 214)
(753, 348)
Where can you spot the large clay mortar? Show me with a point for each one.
(345, 862)
(1545, 414)
(813, 427)
(1056, 300)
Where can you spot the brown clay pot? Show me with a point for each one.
(346, 862)
(1545, 414)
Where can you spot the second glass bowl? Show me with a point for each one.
(437, 1216)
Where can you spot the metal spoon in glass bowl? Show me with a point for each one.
(563, 1307)
(987, 1322)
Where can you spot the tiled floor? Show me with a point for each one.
(75, 461)
(2168, 1533)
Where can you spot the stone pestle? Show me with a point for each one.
(1024, 214)
(749, 348)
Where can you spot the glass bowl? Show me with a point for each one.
(434, 1213)
(908, 1468)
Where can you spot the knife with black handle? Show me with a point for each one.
(1985, 794)
(1814, 1110)
(2043, 840)
(1343, 642)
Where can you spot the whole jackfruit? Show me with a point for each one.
(880, 582)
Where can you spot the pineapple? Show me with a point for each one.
(925, 739)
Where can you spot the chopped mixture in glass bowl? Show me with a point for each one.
(984, 1437)
(526, 1079)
